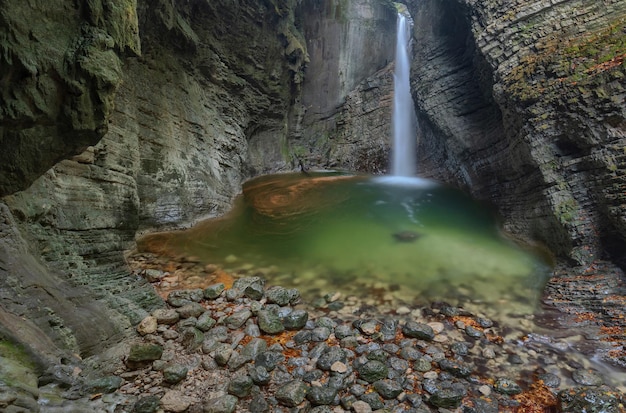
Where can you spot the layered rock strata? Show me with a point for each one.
(343, 118)
(522, 104)
(188, 98)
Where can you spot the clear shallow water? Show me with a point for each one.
(332, 231)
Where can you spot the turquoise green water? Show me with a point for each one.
(330, 231)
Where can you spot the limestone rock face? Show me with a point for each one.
(189, 101)
(522, 103)
(60, 69)
(344, 115)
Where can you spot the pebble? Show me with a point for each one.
(372, 371)
(222, 404)
(213, 291)
(587, 377)
(488, 353)
(418, 330)
(485, 390)
(192, 309)
(320, 363)
(388, 389)
(269, 322)
(360, 406)
(506, 386)
(240, 386)
(175, 401)
(174, 373)
(148, 325)
(339, 367)
(166, 316)
(238, 319)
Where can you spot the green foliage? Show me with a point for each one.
(566, 211)
(568, 61)
(12, 351)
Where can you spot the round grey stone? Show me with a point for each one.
(374, 401)
(422, 365)
(174, 373)
(321, 395)
(223, 404)
(456, 368)
(388, 389)
(269, 322)
(214, 291)
(372, 371)
(331, 356)
(238, 319)
(296, 320)
(254, 291)
(107, 384)
(414, 329)
(166, 316)
(148, 404)
(190, 310)
(240, 386)
(222, 353)
(278, 295)
(269, 359)
(343, 331)
(292, 393)
(259, 375)
(447, 398)
(145, 352)
(319, 334)
(205, 321)
(473, 332)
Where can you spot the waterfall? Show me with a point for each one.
(403, 151)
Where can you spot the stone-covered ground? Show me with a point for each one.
(240, 345)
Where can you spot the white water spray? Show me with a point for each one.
(403, 157)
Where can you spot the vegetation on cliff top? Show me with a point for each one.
(574, 61)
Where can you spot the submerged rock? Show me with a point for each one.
(406, 236)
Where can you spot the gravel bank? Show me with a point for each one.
(249, 347)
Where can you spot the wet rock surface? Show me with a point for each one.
(359, 358)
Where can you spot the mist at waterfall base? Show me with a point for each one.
(331, 231)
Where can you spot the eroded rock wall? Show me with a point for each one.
(522, 103)
(202, 105)
(343, 119)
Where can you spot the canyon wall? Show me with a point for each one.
(120, 116)
(153, 113)
(343, 119)
(143, 115)
(522, 103)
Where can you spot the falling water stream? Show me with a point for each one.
(403, 120)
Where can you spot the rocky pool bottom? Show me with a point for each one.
(227, 343)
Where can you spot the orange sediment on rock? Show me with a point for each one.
(537, 399)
